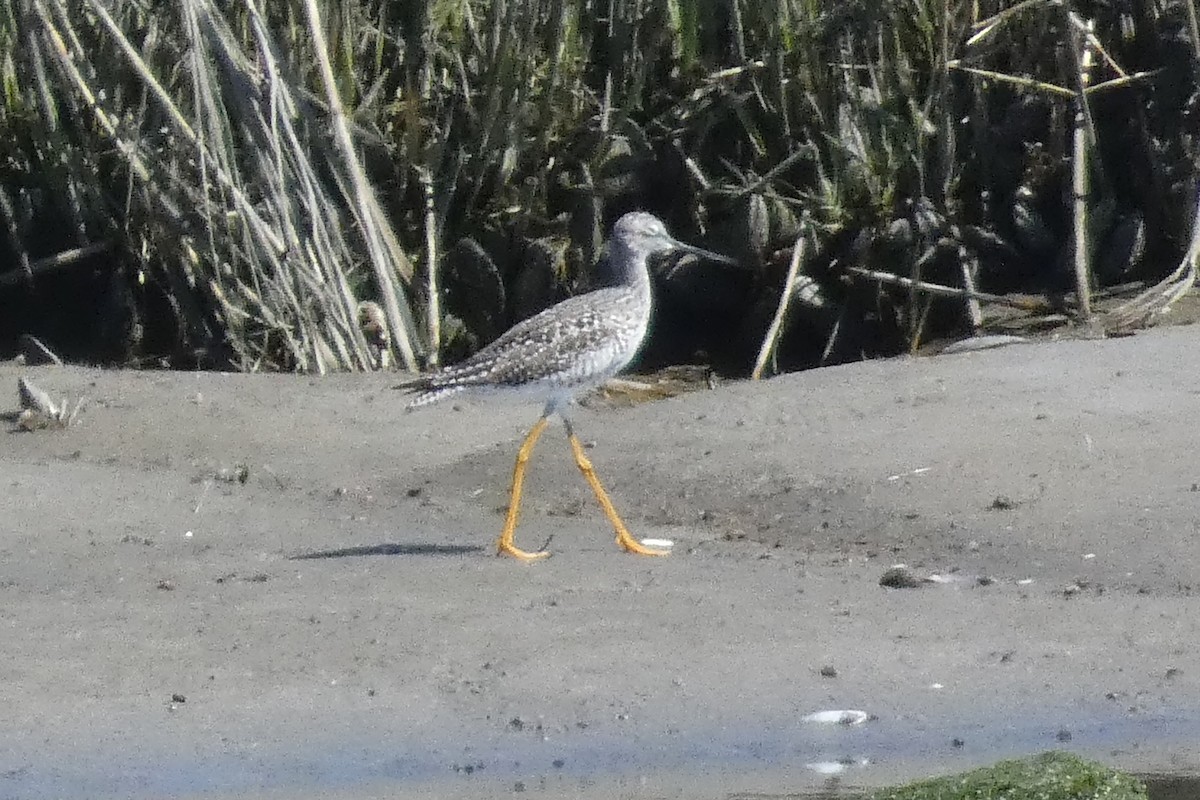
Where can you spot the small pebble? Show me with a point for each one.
(900, 577)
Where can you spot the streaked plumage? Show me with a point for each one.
(579, 342)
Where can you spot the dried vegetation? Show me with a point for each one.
(255, 171)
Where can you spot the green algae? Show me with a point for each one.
(1049, 776)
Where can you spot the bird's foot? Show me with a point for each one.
(632, 545)
(506, 548)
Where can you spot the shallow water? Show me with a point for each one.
(767, 761)
(1172, 787)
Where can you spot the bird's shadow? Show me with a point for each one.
(392, 549)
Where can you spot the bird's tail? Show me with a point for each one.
(426, 390)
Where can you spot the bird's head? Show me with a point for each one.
(643, 233)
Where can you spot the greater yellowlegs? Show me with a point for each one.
(570, 347)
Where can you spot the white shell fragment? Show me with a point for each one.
(976, 343)
(836, 767)
(838, 717)
(658, 543)
(39, 410)
(917, 471)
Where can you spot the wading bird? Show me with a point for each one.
(570, 347)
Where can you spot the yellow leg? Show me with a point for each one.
(624, 539)
(505, 545)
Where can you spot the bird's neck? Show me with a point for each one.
(631, 268)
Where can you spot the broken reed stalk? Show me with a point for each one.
(55, 262)
(771, 340)
(433, 307)
(1014, 80)
(969, 266)
(947, 142)
(943, 290)
(1079, 168)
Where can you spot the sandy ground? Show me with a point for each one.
(337, 626)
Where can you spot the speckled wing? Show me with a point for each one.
(581, 341)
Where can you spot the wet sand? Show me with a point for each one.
(337, 626)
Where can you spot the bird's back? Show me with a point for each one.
(580, 342)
